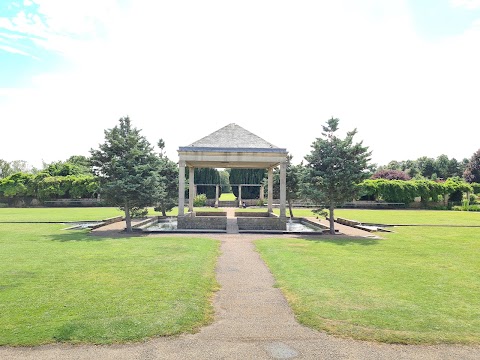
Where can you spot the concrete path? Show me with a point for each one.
(253, 321)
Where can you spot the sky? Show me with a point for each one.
(404, 73)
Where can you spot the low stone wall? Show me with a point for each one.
(261, 223)
(251, 214)
(144, 223)
(347, 222)
(210, 213)
(202, 222)
(311, 223)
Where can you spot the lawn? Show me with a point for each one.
(425, 217)
(57, 214)
(65, 285)
(417, 285)
(227, 197)
(73, 214)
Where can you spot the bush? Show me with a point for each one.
(200, 200)
(476, 188)
(391, 175)
(466, 208)
(136, 212)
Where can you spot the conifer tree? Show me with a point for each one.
(335, 167)
(128, 168)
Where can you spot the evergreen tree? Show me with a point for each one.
(335, 167)
(128, 168)
(207, 176)
(293, 181)
(247, 176)
(169, 173)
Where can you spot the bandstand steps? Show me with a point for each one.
(233, 203)
(232, 226)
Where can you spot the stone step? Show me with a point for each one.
(232, 226)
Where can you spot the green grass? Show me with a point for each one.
(68, 286)
(425, 217)
(417, 285)
(57, 214)
(227, 197)
(74, 214)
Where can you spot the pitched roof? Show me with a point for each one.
(232, 137)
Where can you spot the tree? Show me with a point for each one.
(472, 171)
(441, 166)
(13, 167)
(169, 173)
(247, 176)
(293, 179)
(128, 168)
(225, 181)
(391, 175)
(426, 166)
(335, 167)
(5, 169)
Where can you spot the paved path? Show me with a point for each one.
(253, 321)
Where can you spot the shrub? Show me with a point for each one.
(391, 175)
(466, 208)
(476, 188)
(200, 200)
(137, 212)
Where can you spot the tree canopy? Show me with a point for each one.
(472, 171)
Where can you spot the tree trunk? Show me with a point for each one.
(128, 220)
(290, 208)
(332, 220)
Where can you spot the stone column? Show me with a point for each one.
(240, 195)
(270, 189)
(217, 188)
(262, 192)
(181, 187)
(283, 189)
(191, 188)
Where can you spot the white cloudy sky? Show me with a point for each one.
(406, 73)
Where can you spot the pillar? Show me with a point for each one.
(191, 188)
(270, 189)
(262, 192)
(217, 191)
(240, 195)
(181, 187)
(195, 192)
(283, 189)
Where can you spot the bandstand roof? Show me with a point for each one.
(232, 147)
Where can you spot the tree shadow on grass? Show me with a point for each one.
(342, 240)
(66, 237)
(89, 237)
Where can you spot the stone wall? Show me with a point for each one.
(210, 213)
(202, 223)
(251, 214)
(261, 223)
